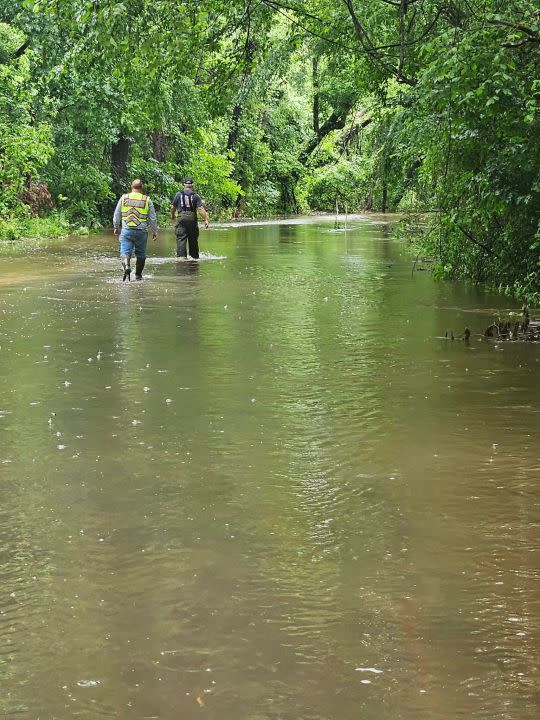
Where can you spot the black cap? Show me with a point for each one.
(188, 181)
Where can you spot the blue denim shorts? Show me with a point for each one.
(133, 239)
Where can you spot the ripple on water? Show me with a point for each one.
(157, 260)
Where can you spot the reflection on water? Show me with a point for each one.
(263, 485)
(187, 267)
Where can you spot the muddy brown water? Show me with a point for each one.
(263, 486)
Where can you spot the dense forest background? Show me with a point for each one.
(427, 107)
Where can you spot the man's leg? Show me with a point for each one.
(181, 240)
(126, 250)
(139, 267)
(194, 240)
(126, 268)
(140, 254)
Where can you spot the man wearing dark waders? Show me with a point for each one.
(134, 212)
(186, 203)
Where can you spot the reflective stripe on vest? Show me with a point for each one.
(134, 209)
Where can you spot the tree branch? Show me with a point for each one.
(533, 35)
(24, 47)
(336, 121)
(470, 237)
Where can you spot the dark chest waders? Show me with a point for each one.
(187, 227)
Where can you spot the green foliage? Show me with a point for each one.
(11, 39)
(25, 145)
(345, 183)
(526, 289)
(16, 228)
(213, 179)
(475, 128)
(264, 200)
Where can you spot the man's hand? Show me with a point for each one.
(116, 231)
(154, 237)
(206, 223)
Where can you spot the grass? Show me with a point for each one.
(31, 233)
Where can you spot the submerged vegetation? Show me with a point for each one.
(426, 107)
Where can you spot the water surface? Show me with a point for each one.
(263, 485)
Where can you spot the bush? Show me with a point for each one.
(264, 200)
(18, 228)
(36, 197)
(212, 173)
(344, 182)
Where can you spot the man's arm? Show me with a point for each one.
(204, 214)
(117, 217)
(152, 219)
(174, 207)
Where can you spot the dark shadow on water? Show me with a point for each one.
(187, 267)
(287, 234)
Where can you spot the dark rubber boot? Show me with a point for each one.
(139, 266)
(126, 268)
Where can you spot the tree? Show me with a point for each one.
(25, 145)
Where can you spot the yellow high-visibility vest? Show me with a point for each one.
(134, 209)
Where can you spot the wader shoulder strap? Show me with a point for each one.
(187, 202)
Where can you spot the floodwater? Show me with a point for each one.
(264, 486)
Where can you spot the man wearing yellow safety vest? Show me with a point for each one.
(133, 213)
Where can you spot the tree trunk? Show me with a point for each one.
(385, 169)
(119, 161)
(160, 145)
(315, 76)
(411, 172)
(233, 132)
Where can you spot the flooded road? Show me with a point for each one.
(263, 486)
